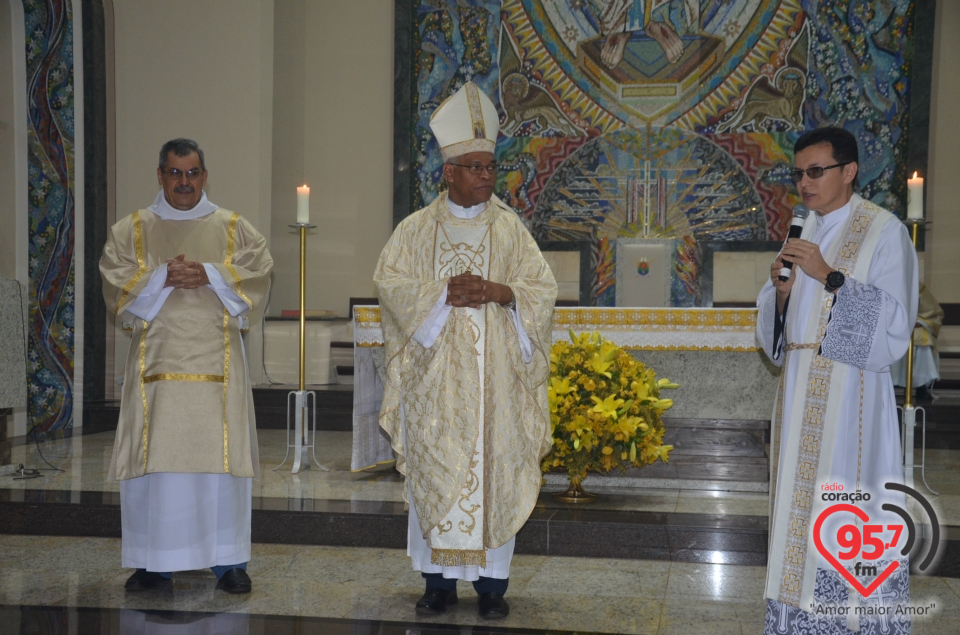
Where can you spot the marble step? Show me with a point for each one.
(552, 529)
(741, 474)
(722, 438)
(689, 436)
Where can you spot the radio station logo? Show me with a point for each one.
(860, 548)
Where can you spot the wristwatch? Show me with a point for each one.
(835, 280)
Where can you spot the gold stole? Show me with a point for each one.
(814, 417)
(149, 379)
(457, 540)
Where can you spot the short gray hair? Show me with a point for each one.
(182, 148)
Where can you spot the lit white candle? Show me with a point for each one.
(915, 198)
(303, 205)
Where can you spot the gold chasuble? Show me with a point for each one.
(468, 418)
(186, 404)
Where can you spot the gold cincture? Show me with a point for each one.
(149, 379)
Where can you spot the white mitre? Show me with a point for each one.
(467, 121)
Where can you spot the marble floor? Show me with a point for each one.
(85, 460)
(48, 584)
(363, 585)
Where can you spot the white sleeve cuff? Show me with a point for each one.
(429, 331)
(154, 294)
(526, 349)
(233, 303)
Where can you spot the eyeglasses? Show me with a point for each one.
(192, 174)
(476, 168)
(815, 172)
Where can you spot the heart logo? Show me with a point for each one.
(862, 515)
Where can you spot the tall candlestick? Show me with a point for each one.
(915, 198)
(303, 205)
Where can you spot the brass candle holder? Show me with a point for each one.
(303, 401)
(910, 410)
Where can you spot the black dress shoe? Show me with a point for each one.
(436, 601)
(235, 580)
(142, 580)
(492, 606)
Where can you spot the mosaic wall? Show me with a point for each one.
(50, 136)
(666, 119)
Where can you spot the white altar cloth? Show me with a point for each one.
(648, 329)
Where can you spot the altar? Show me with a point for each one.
(711, 353)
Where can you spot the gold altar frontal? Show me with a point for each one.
(668, 329)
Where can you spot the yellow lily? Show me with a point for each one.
(666, 383)
(609, 350)
(640, 390)
(560, 386)
(607, 407)
(598, 365)
(587, 440)
(627, 426)
(663, 404)
(578, 425)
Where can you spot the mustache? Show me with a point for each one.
(184, 189)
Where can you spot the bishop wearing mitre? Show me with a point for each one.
(183, 274)
(466, 304)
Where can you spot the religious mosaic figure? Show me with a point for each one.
(663, 20)
(183, 274)
(466, 305)
(836, 324)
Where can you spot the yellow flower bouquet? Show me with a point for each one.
(605, 409)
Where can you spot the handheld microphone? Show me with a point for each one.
(800, 213)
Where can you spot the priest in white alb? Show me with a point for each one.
(183, 274)
(842, 317)
(466, 304)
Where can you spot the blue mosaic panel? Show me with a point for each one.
(48, 26)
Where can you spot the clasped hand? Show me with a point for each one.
(185, 274)
(468, 290)
(804, 254)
